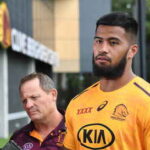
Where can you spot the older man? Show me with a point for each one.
(46, 129)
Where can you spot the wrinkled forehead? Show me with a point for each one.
(30, 84)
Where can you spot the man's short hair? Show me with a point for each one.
(46, 83)
(121, 19)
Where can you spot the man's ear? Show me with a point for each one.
(54, 94)
(132, 51)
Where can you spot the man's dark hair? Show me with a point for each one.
(119, 19)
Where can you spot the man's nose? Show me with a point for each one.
(104, 47)
(29, 104)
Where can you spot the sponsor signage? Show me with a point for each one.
(30, 47)
(5, 29)
(95, 136)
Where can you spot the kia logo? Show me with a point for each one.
(95, 136)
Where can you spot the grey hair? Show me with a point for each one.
(46, 83)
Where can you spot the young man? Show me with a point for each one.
(114, 113)
(46, 130)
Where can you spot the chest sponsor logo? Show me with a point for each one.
(27, 146)
(84, 110)
(95, 136)
(120, 112)
(102, 105)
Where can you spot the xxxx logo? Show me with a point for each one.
(95, 136)
(84, 110)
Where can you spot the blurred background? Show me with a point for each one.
(55, 37)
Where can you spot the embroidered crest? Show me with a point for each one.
(27, 146)
(61, 138)
(120, 112)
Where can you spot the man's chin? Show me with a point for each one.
(34, 117)
(36, 120)
(109, 72)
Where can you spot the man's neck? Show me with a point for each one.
(45, 127)
(108, 85)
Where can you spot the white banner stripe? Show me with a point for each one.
(17, 115)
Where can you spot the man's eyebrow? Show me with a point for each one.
(97, 37)
(113, 38)
(110, 38)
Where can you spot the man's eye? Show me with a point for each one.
(34, 97)
(24, 101)
(113, 43)
(98, 41)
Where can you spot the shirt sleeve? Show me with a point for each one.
(69, 137)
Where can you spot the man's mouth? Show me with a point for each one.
(102, 59)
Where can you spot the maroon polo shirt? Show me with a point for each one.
(54, 141)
